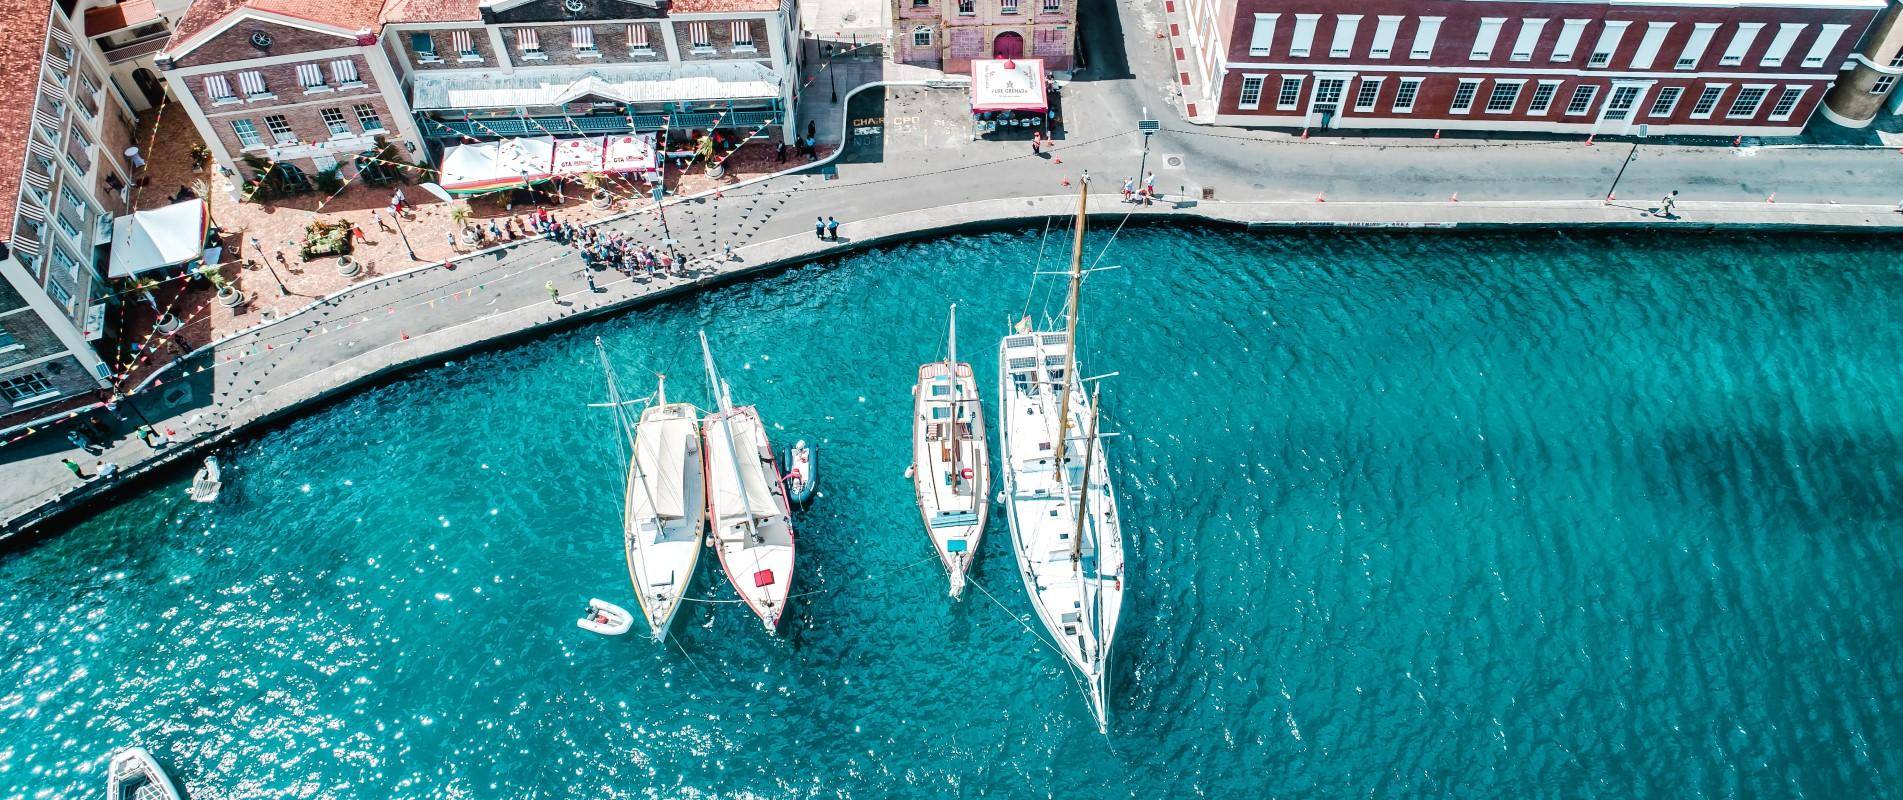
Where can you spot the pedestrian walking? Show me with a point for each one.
(819, 228)
(1149, 189)
(812, 148)
(1666, 204)
(812, 129)
(105, 469)
(1129, 188)
(84, 442)
(356, 232)
(452, 241)
(554, 294)
(589, 276)
(1037, 143)
(146, 434)
(132, 155)
(78, 471)
(382, 224)
(832, 229)
(398, 203)
(779, 153)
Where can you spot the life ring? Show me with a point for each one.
(966, 473)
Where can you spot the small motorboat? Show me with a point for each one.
(800, 478)
(134, 775)
(605, 618)
(205, 484)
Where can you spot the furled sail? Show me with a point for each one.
(758, 498)
(663, 454)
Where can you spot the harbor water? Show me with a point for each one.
(1502, 515)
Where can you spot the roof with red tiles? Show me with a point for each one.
(20, 53)
(350, 15)
(432, 10)
(118, 16)
(720, 6)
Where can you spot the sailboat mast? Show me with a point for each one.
(1083, 493)
(725, 401)
(1070, 325)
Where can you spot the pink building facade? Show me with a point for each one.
(1703, 67)
(948, 34)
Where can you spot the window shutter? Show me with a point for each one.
(310, 75)
(527, 38)
(637, 35)
(217, 87)
(742, 33)
(344, 70)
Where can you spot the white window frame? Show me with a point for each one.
(1424, 36)
(344, 72)
(1883, 84)
(359, 110)
(1262, 35)
(28, 380)
(1780, 47)
(1242, 92)
(1304, 39)
(1485, 38)
(1649, 44)
(1516, 84)
(1385, 29)
(1413, 96)
(280, 136)
(1793, 93)
(1567, 46)
(1362, 88)
(343, 122)
(1731, 110)
(1669, 97)
(1826, 41)
(1472, 87)
(1608, 44)
(922, 32)
(1740, 46)
(529, 43)
(257, 139)
(1528, 40)
(1283, 89)
(1695, 45)
(1716, 99)
(1591, 95)
(429, 56)
(1342, 45)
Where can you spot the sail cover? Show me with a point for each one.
(661, 450)
(757, 497)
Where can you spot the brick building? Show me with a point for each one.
(63, 178)
(1723, 67)
(948, 34)
(294, 84)
(1868, 83)
(485, 69)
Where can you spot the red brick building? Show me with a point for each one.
(1724, 67)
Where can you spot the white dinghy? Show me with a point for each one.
(951, 466)
(605, 618)
(206, 483)
(666, 513)
(134, 775)
(752, 521)
(1064, 524)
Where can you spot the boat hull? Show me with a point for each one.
(758, 562)
(132, 768)
(663, 551)
(951, 466)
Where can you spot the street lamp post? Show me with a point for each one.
(397, 218)
(831, 79)
(1146, 126)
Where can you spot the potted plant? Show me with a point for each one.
(459, 214)
(228, 295)
(201, 156)
(598, 196)
(168, 322)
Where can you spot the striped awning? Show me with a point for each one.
(40, 148)
(58, 62)
(25, 244)
(60, 35)
(53, 90)
(30, 207)
(38, 180)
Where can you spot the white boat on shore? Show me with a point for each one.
(133, 774)
(951, 466)
(1062, 511)
(666, 500)
(752, 519)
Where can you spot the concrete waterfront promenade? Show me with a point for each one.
(909, 168)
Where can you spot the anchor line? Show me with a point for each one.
(1072, 670)
(688, 656)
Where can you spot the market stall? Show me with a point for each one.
(577, 156)
(1009, 93)
(489, 166)
(632, 154)
(159, 238)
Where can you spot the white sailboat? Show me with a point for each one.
(1058, 500)
(752, 521)
(951, 467)
(665, 515)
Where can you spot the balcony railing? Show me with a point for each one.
(137, 47)
(81, 160)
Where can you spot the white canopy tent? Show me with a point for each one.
(1008, 84)
(488, 166)
(161, 237)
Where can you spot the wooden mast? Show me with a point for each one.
(1070, 327)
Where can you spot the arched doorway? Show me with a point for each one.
(1009, 44)
(149, 86)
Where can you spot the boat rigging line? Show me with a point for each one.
(1032, 291)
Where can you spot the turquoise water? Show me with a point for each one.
(1508, 516)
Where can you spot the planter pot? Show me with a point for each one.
(601, 199)
(169, 323)
(348, 267)
(230, 298)
(716, 169)
(469, 236)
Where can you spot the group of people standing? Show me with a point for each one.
(1146, 194)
